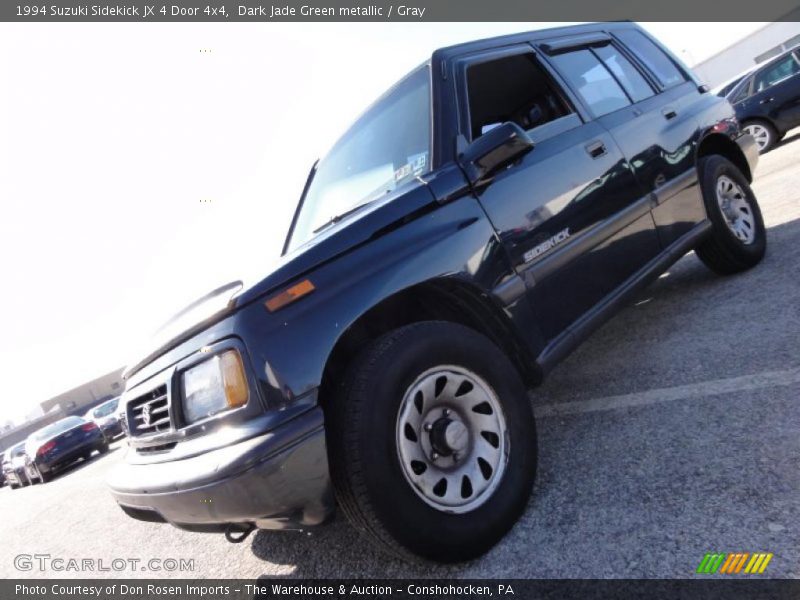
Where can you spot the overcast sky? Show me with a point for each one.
(137, 172)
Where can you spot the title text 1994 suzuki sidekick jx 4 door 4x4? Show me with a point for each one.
(464, 235)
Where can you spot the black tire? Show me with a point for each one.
(723, 252)
(103, 449)
(773, 137)
(370, 485)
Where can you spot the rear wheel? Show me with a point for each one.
(764, 133)
(433, 443)
(739, 238)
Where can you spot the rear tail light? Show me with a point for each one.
(89, 427)
(45, 448)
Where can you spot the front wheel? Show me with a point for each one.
(739, 238)
(433, 443)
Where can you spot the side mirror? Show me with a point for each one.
(703, 88)
(494, 150)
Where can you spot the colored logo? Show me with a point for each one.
(734, 562)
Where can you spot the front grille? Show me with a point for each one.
(149, 413)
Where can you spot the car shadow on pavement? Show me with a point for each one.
(689, 275)
(336, 550)
(788, 140)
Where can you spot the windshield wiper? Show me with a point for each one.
(336, 218)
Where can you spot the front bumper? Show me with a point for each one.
(277, 479)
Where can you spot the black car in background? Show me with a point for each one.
(56, 446)
(106, 416)
(14, 462)
(767, 100)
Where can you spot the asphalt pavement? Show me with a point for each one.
(674, 431)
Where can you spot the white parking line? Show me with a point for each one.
(715, 387)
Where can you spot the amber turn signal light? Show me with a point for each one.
(233, 377)
(289, 295)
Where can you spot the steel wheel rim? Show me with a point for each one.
(760, 133)
(736, 210)
(451, 428)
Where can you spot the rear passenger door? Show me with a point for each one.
(570, 213)
(658, 133)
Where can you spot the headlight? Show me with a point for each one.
(214, 385)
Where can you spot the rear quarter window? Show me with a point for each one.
(592, 80)
(741, 93)
(634, 83)
(657, 62)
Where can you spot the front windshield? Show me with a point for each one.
(18, 450)
(388, 146)
(56, 428)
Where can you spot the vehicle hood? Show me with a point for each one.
(18, 461)
(371, 222)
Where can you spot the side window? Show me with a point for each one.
(627, 75)
(784, 68)
(652, 56)
(513, 88)
(593, 81)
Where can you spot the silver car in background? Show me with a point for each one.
(14, 466)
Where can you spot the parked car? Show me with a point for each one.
(470, 229)
(56, 446)
(106, 416)
(14, 462)
(767, 100)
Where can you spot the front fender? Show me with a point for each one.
(290, 348)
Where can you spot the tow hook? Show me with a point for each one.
(236, 533)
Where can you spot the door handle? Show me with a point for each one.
(596, 149)
(766, 100)
(669, 113)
